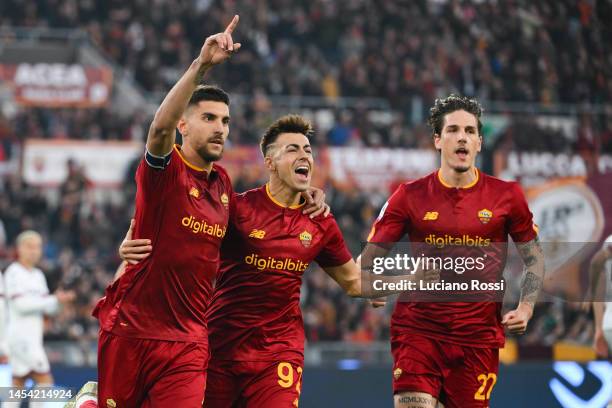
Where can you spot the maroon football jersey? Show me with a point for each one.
(185, 214)
(255, 310)
(477, 217)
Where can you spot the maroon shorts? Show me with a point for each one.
(459, 376)
(150, 373)
(253, 384)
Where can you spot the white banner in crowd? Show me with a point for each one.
(105, 163)
(534, 168)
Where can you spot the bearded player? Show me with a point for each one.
(448, 352)
(153, 348)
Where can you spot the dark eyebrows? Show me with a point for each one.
(297, 146)
(455, 127)
(214, 116)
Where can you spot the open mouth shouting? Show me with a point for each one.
(462, 153)
(302, 171)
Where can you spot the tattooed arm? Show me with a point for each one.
(531, 284)
(533, 274)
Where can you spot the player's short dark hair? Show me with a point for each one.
(450, 104)
(285, 124)
(208, 93)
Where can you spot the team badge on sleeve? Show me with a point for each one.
(485, 215)
(306, 238)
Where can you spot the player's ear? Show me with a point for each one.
(182, 125)
(479, 143)
(269, 163)
(437, 141)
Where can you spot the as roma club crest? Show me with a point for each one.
(306, 238)
(397, 373)
(485, 215)
(224, 199)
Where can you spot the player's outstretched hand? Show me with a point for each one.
(315, 202)
(219, 47)
(516, 320)
(134, 250)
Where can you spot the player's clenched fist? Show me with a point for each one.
(219, 47)
(516, 320)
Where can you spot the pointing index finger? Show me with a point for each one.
(232, 25)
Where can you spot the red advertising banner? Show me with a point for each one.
(58, 85)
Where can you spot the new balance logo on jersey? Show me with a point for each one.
(259, 234)
(430, 216)
(194, 192)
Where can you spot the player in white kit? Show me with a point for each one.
(28, 301)
(3, 321)
(601, 280)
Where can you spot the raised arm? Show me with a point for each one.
(216, 49)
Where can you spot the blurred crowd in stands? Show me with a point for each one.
(405, 52)
(521, 50)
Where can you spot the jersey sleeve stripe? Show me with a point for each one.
(157, 162)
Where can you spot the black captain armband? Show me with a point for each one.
(157, 162)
